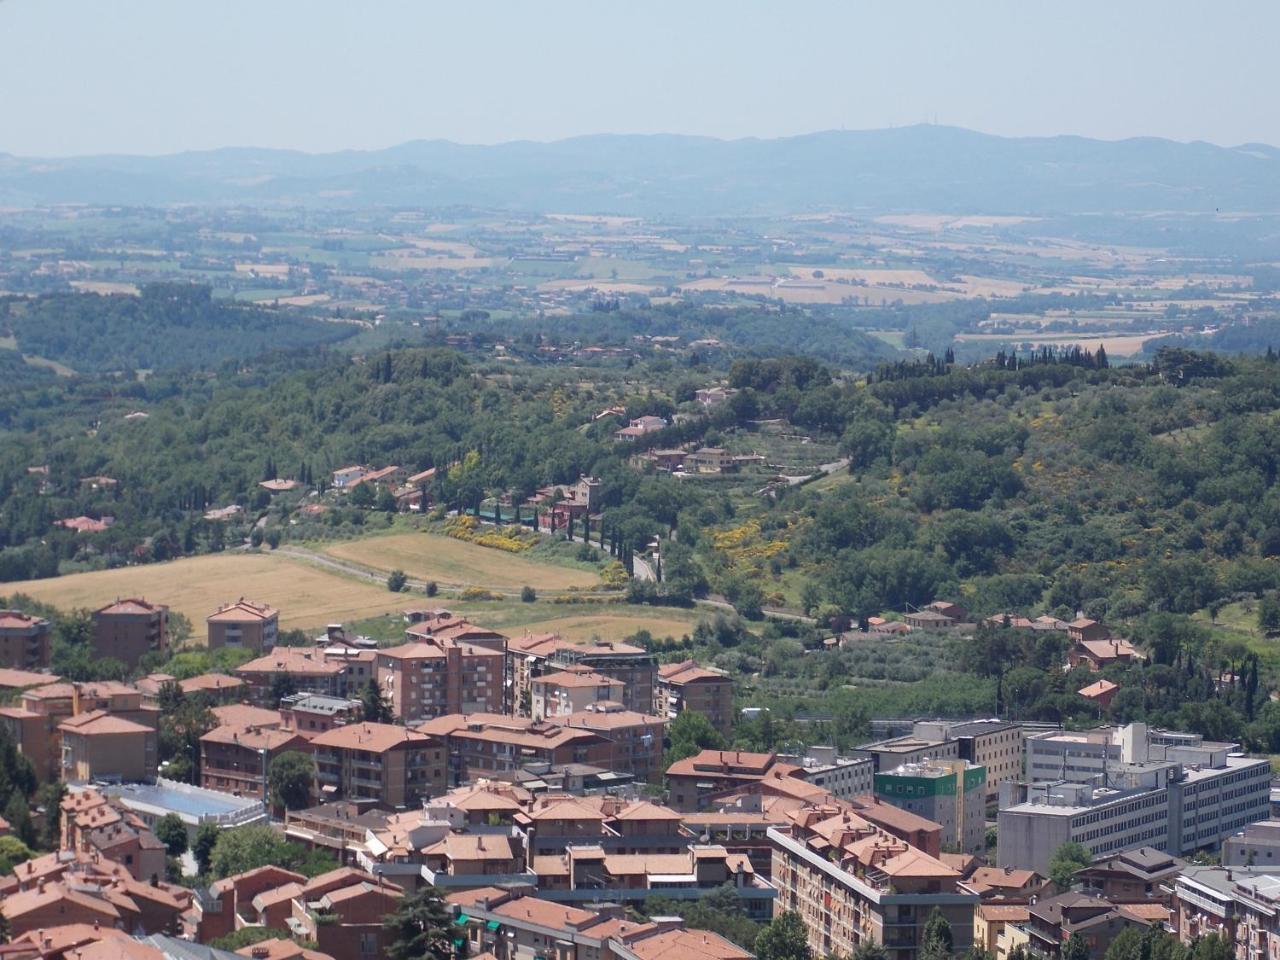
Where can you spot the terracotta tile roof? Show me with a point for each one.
(131, 606)
(689, 671)
(254, 738)
(277, 949)
(414, 651)
(544, 913)
(1146, 912)
(608, 719)
(468, 898)
(269, 898)
(473, 846)
(916, 863)
(998, 878)
(374, 737)
(100, 723)
(243, 611)
(1099, 689)
(244, 715)
(687, 945)
(58, 940)
(19, 904)
(279, 874)
(20, 679)
(210, 681)
(14, 620)
(520, 731)
(335, 879)
(576, 678)
(564, 810)
(723, 762)
(644, 810)
(299, 660)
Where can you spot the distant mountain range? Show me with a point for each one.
(920, 168)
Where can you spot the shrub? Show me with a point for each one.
(396, 581)
(527, 594)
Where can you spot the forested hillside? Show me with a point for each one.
(169, 326)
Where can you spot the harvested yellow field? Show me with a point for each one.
(425, 556)
(306, 596)
(583, 628)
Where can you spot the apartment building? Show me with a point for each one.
(236, 759)
(635, 739)
(55, 703)
(24, 641)
(129, 629)
(688, 686)
(950, 793)
(439, 676)
(497, 746)
(342, 912)
(1239, 904)
(31, 734)
(854, 884)
(99, 746)
(533, 655)
(571, 690)
(694, 780)
(95, 826)
(243, 625)
(332, 671)
(310, 713)
(843, 777)
(894, 752)
(993, 744)
(1158, 804)
(391, 765)
(514, 925)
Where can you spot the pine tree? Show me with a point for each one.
(419, 929)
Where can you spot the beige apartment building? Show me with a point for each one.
(390, 764)
(440, 676)
(99, 746)
(245, 625)
(571, 690)
(688, 686)
(129, 629)
(24, 641)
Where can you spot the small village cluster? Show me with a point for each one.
(525, 778)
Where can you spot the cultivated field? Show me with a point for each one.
(607, 626)
(452, 562)
(306, 596)
(1118, 345)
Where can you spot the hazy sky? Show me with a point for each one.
(155, 76)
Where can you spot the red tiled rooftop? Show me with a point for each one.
(374, 737)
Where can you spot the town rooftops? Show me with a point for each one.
(243, 611)
(576, 678)
(16, 620)
(100, 723)
(1099, 689)
(686, 945)
(21, 679)
(519, 731)
(688, 671)
(130, 607)
(373, 737)
(244, 715)
(210, 682)
(299, 660)
(608, 715)
(544, 913)
(726, 762)
(251, 737)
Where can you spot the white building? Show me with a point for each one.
(843, 777)
(1127, 789)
